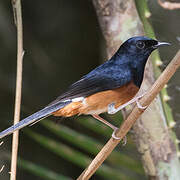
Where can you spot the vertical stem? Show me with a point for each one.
(144, 13)
(20, 52)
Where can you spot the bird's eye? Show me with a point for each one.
(140, 44)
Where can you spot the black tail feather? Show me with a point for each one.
(35, 117)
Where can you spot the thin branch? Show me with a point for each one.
(131, 119)
(20, 53)
(169, 5)
(2, 165)
(2, 168)
(1, 143)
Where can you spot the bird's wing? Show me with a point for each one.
(105, 77)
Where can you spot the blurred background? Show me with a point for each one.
(62, 42)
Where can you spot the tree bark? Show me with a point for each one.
(119, 21)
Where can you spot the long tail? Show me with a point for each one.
(35, 117)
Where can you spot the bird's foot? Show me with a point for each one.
(124, 140)
(118, 138)
(139, 105)
(114, 134)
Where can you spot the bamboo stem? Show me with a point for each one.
(131, 119)
(20, 52)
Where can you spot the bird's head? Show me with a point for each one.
(135, 52)
(140, 46)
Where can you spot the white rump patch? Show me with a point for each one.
(78, 99)
(66, 100)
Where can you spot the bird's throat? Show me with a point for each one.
(138, 73)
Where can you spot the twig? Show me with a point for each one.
(20, 53)
(169, 5)
(2, 165)
(2, 168)
(1, 143)
(135, 114)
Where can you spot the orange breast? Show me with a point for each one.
(98, 103)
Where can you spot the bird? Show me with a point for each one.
(108, 88)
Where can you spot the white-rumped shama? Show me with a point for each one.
(116, 82)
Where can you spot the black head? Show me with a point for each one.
(134, 53)
(141, 46)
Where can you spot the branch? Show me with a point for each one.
(131, 119)
(2, 165)
(20, 53)
(169, 5)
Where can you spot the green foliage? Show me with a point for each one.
(40, 171)
(80, 150)
(116, 167)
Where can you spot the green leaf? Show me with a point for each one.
(93, 146)
(40, 171)
(77, 157)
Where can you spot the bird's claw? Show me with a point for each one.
(124, 141)
(140, 106)
(118, 138)
(114, 134)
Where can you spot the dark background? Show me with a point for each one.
(62, 42)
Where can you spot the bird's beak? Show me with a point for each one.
(161, 44)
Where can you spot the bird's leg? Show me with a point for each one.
(113, 110)
(108, 124)
(104, 121)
